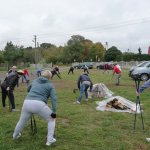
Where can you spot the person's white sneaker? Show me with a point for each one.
(15, 110)
(77, 102)
(17, 137)
(48, 143)
(148, 139)
(86, 100)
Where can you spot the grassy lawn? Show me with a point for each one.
(81, 127)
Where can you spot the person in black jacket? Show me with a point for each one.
(55, 71)
(71, 69)
(7, 88)
(84, 82)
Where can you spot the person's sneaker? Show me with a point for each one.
(48, 143)
(86, 100)
(77, 102)
(15, 110)
(17, 137)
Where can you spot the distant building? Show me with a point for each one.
(149, 50)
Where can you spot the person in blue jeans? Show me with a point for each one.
(83, 83)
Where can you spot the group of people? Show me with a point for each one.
(54, 71)
(40, 90)
(35, 102)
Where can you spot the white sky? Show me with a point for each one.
(122, 23)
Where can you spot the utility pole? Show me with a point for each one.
(106, 45)
(35, 53)
(35, 40)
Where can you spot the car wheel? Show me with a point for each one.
(144, 77)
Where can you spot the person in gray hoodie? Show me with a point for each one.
(36, 103)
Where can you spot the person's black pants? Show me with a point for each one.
(10, 95)
(70, 71)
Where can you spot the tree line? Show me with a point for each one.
(77, 49)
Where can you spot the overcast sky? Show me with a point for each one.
(122, 23)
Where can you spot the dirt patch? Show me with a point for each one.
(64, 121)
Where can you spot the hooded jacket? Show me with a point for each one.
(82, 78)
(41, 89)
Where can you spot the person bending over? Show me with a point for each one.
(83, 83)
(36, 103)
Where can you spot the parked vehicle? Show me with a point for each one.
(78, 66)
(143, 73)
(143, 64)
(101, 66)
(82, 65)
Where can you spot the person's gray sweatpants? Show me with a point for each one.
(117, 79)
(35, 107)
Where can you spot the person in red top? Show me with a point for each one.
(117, 72)
(25, 76)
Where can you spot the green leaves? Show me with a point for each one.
(12, 53)
(113, 54)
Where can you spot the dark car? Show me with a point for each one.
(89, 66)
(102, 66)
(83, 65)
(78, 66)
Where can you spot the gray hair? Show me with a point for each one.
(46, 74)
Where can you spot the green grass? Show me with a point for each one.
(81, 127)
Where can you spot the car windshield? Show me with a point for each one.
(142, 64)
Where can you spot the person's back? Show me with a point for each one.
(117, 69)
(83, 83)
(39, 89)
(11, 81)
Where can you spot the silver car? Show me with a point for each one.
(138, 66)
(143, 72)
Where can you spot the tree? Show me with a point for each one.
(73, 49)
(128, 56)
(47, 45)
(13, 54)
(113, 54)
(1, 57)
(87, 44)
(97, 51)
(28, 55)
(75, 38)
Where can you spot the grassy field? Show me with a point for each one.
(81, 127)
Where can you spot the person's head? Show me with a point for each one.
(47, 74)
(14, 68)
(20, 73)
